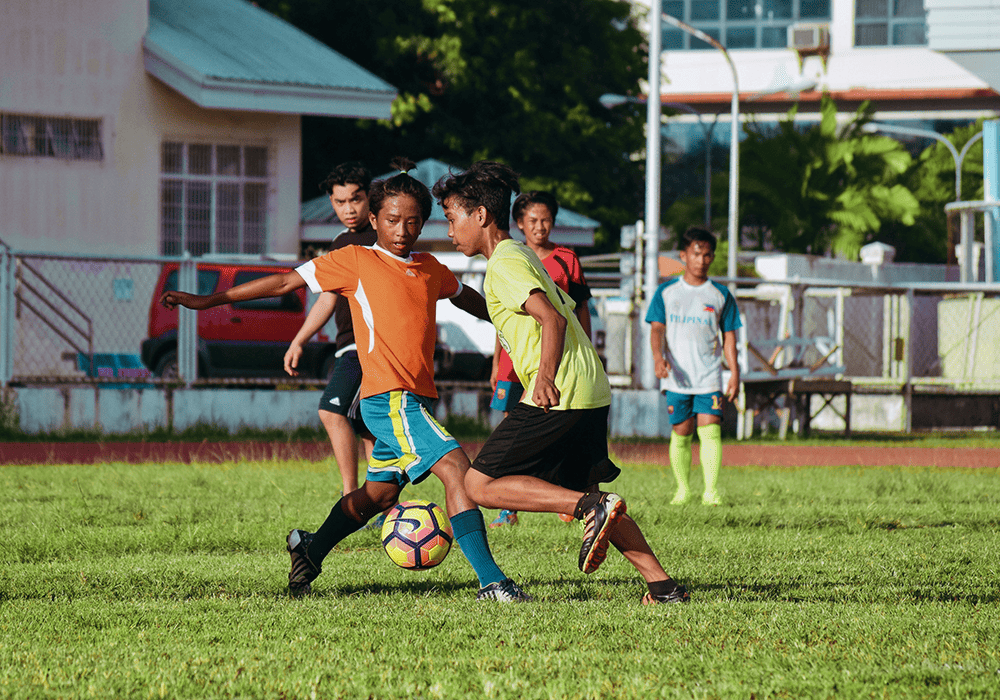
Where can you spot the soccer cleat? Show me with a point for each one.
(303, 572)
(679, 499)
(678, 595)
(375, 523)
(506, 517)
(566, 517)
(597, 523)
(711, 499)
(505, 591)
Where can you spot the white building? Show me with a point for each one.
(144, 127)
(855, 50)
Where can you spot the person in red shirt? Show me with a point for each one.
(535, 214)
(393, 294)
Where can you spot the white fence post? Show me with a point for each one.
(187, 323)
(908, 359)
(6, 316)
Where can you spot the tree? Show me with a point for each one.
(516, 81)
(815, 189)
(931, 178)
(823, 188)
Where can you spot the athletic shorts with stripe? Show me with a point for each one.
(408, 441)
(343, 390)
(680, 407)
(568, 448)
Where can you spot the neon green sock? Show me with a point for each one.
(680, 462)
(710, 437)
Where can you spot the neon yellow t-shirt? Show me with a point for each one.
(512, 273)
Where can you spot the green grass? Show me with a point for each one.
(169, 581)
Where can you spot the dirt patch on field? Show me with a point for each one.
(732, 455)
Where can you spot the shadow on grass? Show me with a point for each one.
(830, 592)
(579, 591)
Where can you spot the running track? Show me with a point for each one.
(732, 455)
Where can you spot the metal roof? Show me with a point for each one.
(229, 54)
(318, 212)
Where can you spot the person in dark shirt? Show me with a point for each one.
(339, 408)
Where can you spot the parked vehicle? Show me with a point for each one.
(244, 339)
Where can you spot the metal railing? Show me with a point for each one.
(74, 319)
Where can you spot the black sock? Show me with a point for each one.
(586, 502)
(658, 589)
(337, 526)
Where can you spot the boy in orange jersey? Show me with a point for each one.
(393, 295)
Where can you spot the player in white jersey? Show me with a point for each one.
(694, 322)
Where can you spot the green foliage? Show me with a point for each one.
(169, 581)
(517, 81)
(465, 428)
(931, 178)
(824, 187)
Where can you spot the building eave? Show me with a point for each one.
(884, 100)
(215, 93)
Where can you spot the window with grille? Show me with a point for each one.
(890, 23)
(51, 137)
(213, 199)
(740, 24)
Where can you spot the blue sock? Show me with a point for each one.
(470, 533)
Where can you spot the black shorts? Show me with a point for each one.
(567, 448)
(343, 391)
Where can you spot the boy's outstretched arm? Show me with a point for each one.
(538, 306)
(270, 286)
(472, 302)
(732, 360)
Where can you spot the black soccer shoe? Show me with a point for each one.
(679, 594)
(303, 572)
(597, 523)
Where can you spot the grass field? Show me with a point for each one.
(169, 581)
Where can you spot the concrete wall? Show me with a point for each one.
(633, 413)
(115, 411)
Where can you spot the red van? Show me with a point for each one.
(244, 339)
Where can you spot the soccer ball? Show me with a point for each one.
(416, 535)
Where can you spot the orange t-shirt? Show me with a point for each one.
(394, 311)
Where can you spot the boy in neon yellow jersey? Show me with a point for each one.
(688, 314)
(550, 454)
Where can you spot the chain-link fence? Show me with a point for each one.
(72, 319)
(95, 320)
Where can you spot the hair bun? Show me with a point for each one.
(402, 164)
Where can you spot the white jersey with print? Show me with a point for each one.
(695, 318)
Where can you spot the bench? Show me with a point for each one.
(785, 375)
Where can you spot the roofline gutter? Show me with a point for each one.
(254, 96)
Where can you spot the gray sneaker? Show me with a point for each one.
(303, 572)
(505, 591)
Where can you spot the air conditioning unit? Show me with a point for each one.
(809, 37)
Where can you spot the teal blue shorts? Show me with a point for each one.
(680, 407)
(507, 394)
(408, 441)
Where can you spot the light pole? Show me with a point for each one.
(734, 141)
(652, 222)
(956, 155)
(653, 112)
(966, 228)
